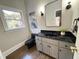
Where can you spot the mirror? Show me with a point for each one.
(53, 13)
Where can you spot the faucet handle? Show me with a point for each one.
(74, 49)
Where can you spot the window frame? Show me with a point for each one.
(4, 20)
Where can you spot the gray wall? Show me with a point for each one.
(12, 38)
(35, 5)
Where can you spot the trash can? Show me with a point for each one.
(31, 42)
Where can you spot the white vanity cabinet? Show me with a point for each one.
(54, 48)
(50, 46)
(50, 49)
(47, 46)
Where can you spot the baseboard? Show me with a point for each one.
(6, 53)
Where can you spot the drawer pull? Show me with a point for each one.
(66, 46)
(60, 50)
(40, 43)
(49, 46)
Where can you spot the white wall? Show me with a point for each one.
(36, 5)
(12, 38)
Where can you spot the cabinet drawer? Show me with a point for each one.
(51, 41)
(65, 44)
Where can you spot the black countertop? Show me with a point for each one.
(69, 39)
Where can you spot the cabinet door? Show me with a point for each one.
(54, 51)
(46, 48)
(65, 54)
(39, 44)
(69, 54)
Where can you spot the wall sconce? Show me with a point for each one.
(68, 6)
(42, 13)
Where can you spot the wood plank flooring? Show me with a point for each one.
(24, 53)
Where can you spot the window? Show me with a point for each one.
(12, 19)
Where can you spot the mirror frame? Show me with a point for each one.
(57, 10)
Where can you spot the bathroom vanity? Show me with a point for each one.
(55, 45)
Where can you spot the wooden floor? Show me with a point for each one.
(24, 53)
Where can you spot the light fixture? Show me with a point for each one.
(41, 10)
(42, 13)
(68, 6)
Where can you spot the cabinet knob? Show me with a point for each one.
(38, 39)
(49, 46)
(66, 46)
(40, 43)
(60, 50)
